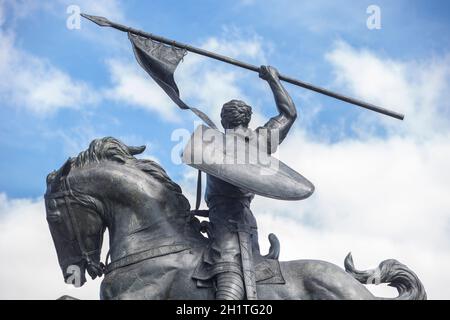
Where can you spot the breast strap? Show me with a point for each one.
(144, 255)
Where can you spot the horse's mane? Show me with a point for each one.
(112, 149)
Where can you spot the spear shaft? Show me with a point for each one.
(101, 21)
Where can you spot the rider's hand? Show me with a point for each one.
(268, 73)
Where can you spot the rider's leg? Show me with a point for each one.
(226, 258)
(230, 286)
(249, 219)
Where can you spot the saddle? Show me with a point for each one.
(267, 268)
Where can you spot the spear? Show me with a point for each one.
(103, 22)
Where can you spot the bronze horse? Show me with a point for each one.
(156, 241)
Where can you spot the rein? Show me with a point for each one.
(145, 255)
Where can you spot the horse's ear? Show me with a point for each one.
(51, 176)
(136, 150)
(66, 167)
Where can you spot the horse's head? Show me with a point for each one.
(76, 225)
(85, 194)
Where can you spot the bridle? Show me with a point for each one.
(65, 193)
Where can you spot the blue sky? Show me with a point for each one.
(296, 37)
(378, 180)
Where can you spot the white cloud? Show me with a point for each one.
(35, 84)
(132, 86)
(417, 88)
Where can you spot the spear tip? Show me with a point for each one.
(101, 21)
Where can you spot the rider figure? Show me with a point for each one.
(229, 206)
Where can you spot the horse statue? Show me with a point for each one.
(156, 242)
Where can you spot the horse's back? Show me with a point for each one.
(314, 280)
(170, 277)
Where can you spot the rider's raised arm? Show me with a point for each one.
(277, 127)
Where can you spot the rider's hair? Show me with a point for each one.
(235, 113)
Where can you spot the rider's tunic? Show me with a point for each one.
(229, 208)
(229, 213)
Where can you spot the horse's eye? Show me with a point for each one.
(51, 204)
(53, 215)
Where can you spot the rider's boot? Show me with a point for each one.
(226, 257)
(230, 286)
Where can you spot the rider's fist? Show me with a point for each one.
(268, 73)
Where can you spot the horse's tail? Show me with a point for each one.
(392, 272)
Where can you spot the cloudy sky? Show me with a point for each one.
(382, 185)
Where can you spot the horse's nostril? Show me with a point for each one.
(53, 218)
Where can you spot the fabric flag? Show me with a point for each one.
(160, 62)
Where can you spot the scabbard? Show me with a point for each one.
(248, 269)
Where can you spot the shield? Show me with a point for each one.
(242, 161)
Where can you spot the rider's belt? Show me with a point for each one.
(243, 227)
(144, 255)
(229, 201)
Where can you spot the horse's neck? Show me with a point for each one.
(149, 224)
(140, 211)
(146, 237)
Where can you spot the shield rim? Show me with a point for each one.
(308, 186)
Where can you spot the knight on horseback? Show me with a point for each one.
(233, 225)
(156, 246)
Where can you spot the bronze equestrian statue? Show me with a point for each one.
(156, 243)
(158, 249)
